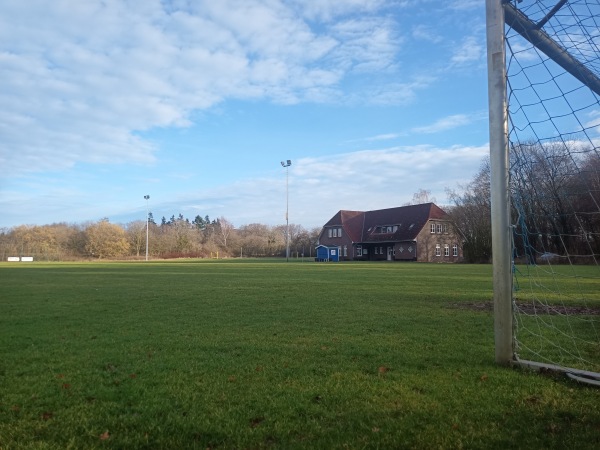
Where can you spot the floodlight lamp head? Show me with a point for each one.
(282, 164)
(289, 162)
(146, 197)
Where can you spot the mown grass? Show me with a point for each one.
(251, 354)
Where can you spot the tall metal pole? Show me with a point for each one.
(147, 218)
(499, 164)
(287, 164)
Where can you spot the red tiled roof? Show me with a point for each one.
(410, 220)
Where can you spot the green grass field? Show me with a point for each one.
(254, 354)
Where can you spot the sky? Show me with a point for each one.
(195, 103)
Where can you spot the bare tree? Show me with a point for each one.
(136, 234)
(470, 216)
(420, 197)
(225, 228)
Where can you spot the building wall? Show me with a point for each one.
(422, 250)
(405, 251)
(439, 245)
(343, 242)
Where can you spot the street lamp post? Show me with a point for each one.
(287, 164)
(147, 197)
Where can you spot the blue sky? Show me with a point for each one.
(195, 103)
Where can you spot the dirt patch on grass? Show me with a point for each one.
(530, 308)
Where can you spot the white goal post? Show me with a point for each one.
(544, 120)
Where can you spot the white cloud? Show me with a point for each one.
(326, 10)
(470, 50)
(397, 93)
(444, 124)
(383, 137)
(426, 33)
(79, 79)
(465, 4)
(368, 179)
(365, 44)
(594, 121)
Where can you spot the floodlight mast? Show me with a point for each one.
(147, 197)
(286, 164)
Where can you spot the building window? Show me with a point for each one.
(359, 251)
(339, 232)
(365, 251)
(410, 249)
(376, 250)
(455, 250)
(329, 232)
(446, 228)
(439, 228)
(432, 228)
(438, 250)
(446, 250)
(401, 249)
(345, 250)
(335, 232)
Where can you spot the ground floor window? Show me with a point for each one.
(455, 250)
(345, 250)
(359, 251)
(446, 250)
(438, 250)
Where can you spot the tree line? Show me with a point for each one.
(555, 207)
(555, 190)
(177, 237)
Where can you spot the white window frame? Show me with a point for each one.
(329, 232)
(439, 228)
(339, 232)
(446, 250)
(455, 250)
(432, 228)
(438, 250)
(335, 232)
(345, 250)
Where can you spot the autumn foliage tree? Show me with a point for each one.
(106, 240)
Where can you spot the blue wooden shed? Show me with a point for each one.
(325, 253)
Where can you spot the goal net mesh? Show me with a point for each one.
(553, 93)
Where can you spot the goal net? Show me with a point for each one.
(552, 101)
